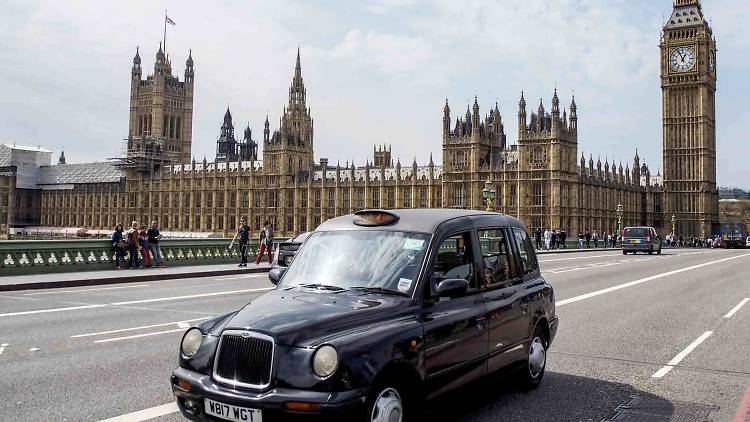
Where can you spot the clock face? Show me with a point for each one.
(682, 59)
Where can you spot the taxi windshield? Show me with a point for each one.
(377, 260)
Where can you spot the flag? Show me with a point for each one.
(169, 21)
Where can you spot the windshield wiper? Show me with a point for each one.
(321, 286)
(381, 290)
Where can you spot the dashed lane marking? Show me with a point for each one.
(737, 308)
(142, 327)
(642, 280)
(86, 290)
(108, 340)
(680, 356)
(2, 347)
(34, 349)
(145, 414)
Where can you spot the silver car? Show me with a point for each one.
(640, 239)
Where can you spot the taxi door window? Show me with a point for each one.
(526, 253)
(496, 270)
(455, 259)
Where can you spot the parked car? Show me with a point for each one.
(747, 242)
(286, 249)
(640, 239)
(378, 312)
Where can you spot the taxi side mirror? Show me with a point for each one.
(452, 287)
(275, 275)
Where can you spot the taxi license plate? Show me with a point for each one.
(635, 241)
(232, 413)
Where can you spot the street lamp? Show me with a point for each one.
(674, 224)
(488, 194)
(619, 220)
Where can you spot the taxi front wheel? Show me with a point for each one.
(385, 405)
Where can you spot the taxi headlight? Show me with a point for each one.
(191, 342)
(325, 360)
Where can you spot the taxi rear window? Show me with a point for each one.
(636, 232)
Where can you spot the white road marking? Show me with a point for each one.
(143, 327)
(737, 308)
(132, 302)
(642, 280)
(145, 414)
(680, 356)
(578, 257)
(107, 340)
(34, 349)
(235, 277)
(164, 299)
(85, 290)
(44, 311)
(2, 347)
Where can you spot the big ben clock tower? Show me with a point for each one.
(688, 83)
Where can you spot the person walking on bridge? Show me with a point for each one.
(133, 237)
(118, 245)
(154, 236)
(243, 233)
(266, 243)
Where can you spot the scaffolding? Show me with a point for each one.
(144, 155)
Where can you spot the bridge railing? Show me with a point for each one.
(50, 256)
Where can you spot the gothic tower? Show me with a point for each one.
(688, 81)
(226, 145)
(289, 149)
(161, 112)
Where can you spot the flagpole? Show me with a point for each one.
(165, 31)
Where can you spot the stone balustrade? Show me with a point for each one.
(50, 256)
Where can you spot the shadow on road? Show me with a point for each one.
(560, 397)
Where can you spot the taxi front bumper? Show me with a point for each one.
(342, 406)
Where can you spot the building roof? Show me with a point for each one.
(63, 174)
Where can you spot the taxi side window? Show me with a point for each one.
(529, 263)
(495, 256)
(455, 259)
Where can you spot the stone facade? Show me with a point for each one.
(544, 179)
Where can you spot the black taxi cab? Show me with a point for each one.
(379, 311)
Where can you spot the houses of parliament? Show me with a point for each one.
(544, 179)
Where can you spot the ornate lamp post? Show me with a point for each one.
(488, 194)
(619, 218)
(674, 224)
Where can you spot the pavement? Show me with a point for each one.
(639, 336)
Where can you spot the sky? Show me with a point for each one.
(376, 71)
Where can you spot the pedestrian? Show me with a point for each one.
(547, 238)
(538, 238)
(266, 243)
(144, 247)
(553, 239)
(133, 245)
(595, 238)
(588, 239)
(154, 236)
(563, 239)
(118, 245)
(243, 235)
(580, 239)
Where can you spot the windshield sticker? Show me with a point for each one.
(404, 285)
(414, 245)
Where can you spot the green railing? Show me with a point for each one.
(51, 256)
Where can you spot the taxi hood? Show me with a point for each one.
(305, 317)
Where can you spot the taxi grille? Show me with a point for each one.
(244, 359)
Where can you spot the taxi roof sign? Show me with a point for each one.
(372, 218)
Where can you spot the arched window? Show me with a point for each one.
(178, 131)
(537, 157)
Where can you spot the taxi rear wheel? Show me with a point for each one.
(533, 371)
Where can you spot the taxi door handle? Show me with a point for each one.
(524, 307)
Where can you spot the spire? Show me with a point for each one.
(540, 111)
(446, 109)
(522, 103)
(298, 67)
(476, 107)
(160, 54)
(137, 58)
(189, 61)
(61, 160)
(555, 103)
(227, 119)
